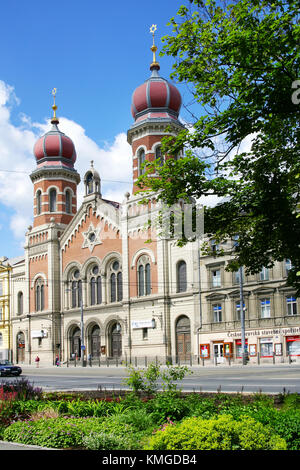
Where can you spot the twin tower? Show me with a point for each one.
(155, 109)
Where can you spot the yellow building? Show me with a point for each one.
(5, 326)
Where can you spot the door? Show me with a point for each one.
(116, 340)
(183, 339)
(20, 347)
(219, 352)
(95, 342)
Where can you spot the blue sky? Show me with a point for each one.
(95, 53)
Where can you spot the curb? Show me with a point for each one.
(25, 446)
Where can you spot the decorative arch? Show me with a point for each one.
(86, 265)
(70, 266)
(37, 276)
(109, 257)
(142, 251)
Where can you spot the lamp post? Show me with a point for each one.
(242, 310)
(242, 313)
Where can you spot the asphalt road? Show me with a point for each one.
(271, 379)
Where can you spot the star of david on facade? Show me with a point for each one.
(92, 237)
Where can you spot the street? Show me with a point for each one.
(272, 379)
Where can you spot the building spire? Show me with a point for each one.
(54, 119)
(154, 65)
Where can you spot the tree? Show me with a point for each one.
(241, 61)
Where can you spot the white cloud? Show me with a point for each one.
(113, 162)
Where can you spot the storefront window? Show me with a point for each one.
(293, 345)
(238, 347)
(266, 347)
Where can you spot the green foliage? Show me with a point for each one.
(222, 433)
(171, 374)
(146, 380)
(61, 432)
(240, 60)
(291, 401)
(128, 423)
(167, 405)
(105, 441)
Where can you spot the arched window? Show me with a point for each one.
(113, 287)
(116, 282)
(42, 297)
(39, 295)
(119, 286)
(52, 198)
(95, 286)
(141, 280)
(181, 276)
(89, 183)
(68, 202)
(76, 289)
(38, 202)
(144, 276)
(141, 161)
(37, 298)
(158, 156)
(20, 303)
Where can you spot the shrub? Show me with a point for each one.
(62, 432)
(167, 405)
(287, 425)
(105, 441)
(140, 380)
(23, 389)
(222, 433)
(139, 419)
(7, 397)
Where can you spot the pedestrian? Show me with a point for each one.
(90, 359)
(37, 361)
(57, 361)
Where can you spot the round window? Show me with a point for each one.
(92, 236)
(76, 274)
(95, 270)
(115, 265)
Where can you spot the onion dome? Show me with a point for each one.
(55, 148)
(156, 97)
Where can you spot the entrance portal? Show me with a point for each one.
(116, 340)
(183, 339)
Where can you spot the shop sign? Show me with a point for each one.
(274, 331)
(39, 334)
(141, 324)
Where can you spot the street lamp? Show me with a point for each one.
(242, 310)
(242, 314)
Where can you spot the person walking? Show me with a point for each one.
(37, 361)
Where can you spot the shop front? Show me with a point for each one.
(293, 345)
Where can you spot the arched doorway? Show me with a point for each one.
(75, 343)
(116, 340)
(94, 340)
(20, 347)
(183, 338)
